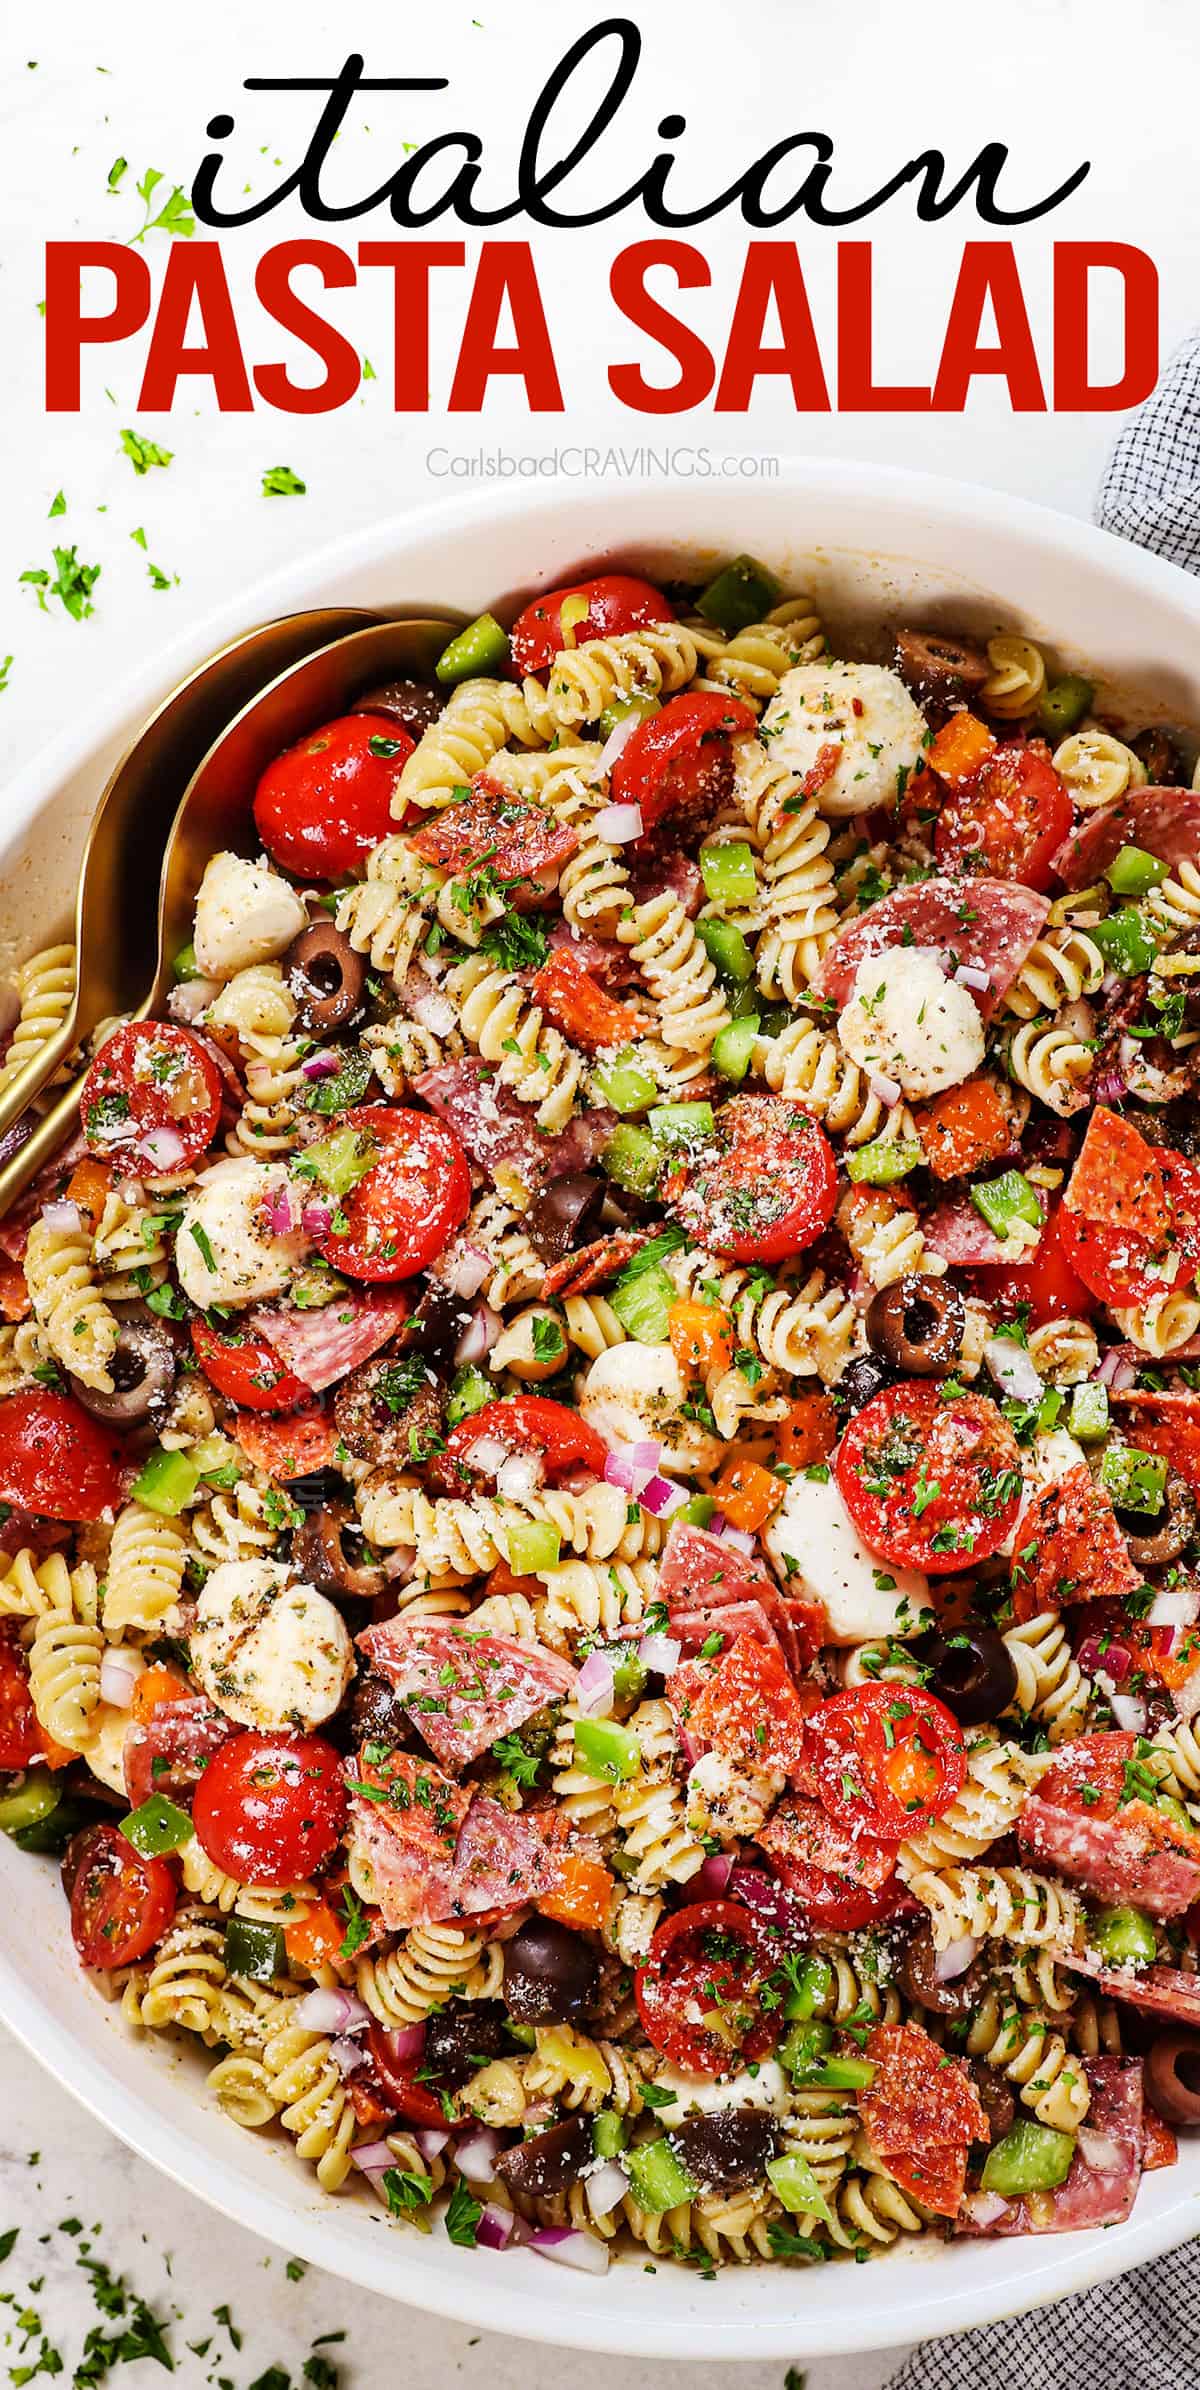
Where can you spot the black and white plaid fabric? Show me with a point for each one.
(1144, 2328)
(1150, 489)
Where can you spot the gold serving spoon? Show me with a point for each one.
(118, 879)
(214, 812)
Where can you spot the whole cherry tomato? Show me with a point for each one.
(324, 803)
(56, 1461)
(271, 1807)
(616, 602)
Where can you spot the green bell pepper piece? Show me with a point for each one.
(609, 2133)
(1125, 1936)
(621, 709)
(1125, 942)
(643, 1305)
(805, 2046)
(841, 2074)
(734, 1046)
(625, 1084)
(657, 2179)
(1089, 1412)
(633, 1160)
(630, 1674)
(797, 2188)
(1031, 2157)
(1064, 705)
(167, 1482)
(728, 872)
(1136, 1480)
(697, 1511)
(469, 1392)
(741, 593)
(158, 1826)
(341, 1160)
(1133, 872)
(1005, 1199)
(812, 1989)
(185, 965)
(481, 648)
(607, 1750)
(258, 1951)
(680, 1124)
(726, 947)
(533, 1548)
(28, 1804)
(883, 1161)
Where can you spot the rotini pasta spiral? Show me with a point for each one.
(582, 681)
(800, 911)
(679, 974)
(1023, 2045)
(1051, 1686)
(528, 1054)
(1009, 1903)
(433, 1964)
(1017, 678)
(64, 1677)
(45, 994)
(145, 1570)
(71, 1312)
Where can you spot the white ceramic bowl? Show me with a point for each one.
(876, 547)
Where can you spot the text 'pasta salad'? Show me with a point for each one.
(600, 1441)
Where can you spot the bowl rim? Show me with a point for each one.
(587, 2315)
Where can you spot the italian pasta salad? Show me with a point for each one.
(600, 1442)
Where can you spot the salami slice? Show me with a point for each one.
(502, 1861)
(519, 839)
(406, 1819)
(1069, 1547)
(704, 1568)
(322, 1346)
(169, 1751)
(462, 1690)
(744, 1704)
(1111, 1857)
(578, 1273)
(1167, 1424)
(985, 925)
(697, 1621)
(1163, 821)
(611, 964)
(498, 1132)
(1158, 1991)
(1105, 2170)
(958, 1231)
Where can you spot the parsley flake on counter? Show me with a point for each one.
(161, 580)
(174, 216)
(58, 505)
(72, 583)
(143, 453)
(5, 669)
(116, 173)
(279, 481)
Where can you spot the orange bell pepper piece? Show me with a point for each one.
(583, 1895)
(808, 1431)
(154, 1687)
(89, 1183)
(747, 1495)
(14, 1294)
(315, 1938)
(959, 748)
(701, 1337)
(964, 1128)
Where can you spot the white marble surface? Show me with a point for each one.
(185, 2262)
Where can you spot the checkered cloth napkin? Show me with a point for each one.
(1143, 2329)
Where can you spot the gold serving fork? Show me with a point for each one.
(214, 812)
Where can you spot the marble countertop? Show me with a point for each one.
(59, 2168)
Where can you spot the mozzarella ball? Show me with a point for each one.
(225, 1251)
(245, 913)
(906, 1021)
(1045, 1462)
(698, 2095)
(725, 1798)
(268, 1651)
(819, 1553)
(862, 709)
(634, 1393)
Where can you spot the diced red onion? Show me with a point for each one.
(163, 1148)
(487, 1454)
(1116, 1371)
(519, 1474)
(985, 2207)
(119, 1672)
(631, 1466)
(405, 2042)
(495, 2227)
(771, 1900)
(595, 1686)
(346, 2055)
(478, 1336)
(399, 1563)
(1012, 1369)
(1110, 1087)
(888, 1091)
(605, 2189)
(475, 2155)
(1130, 1712)
(1098, 1658)
(955, 1959)
(316, 1216)
(973, 975)
(431, 2140)
(619, 825)
(465, 1269)
(568, 2248)
(659, 1653)
(688, 1745)
(662, 1496)
(429, 1004)
(738, 1537)
(1099, 2151)
(373, 2157)
(322, 2011)
(615, 744)
(64, 1218)
(713, 1879)
(277, 1209)
(322, 1065)
(1175, 1606)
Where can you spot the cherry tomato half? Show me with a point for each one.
(1008, 820)
(20, 1739)
(527, 1423)
(246, 1369)
(763, 1186)
(408, 1204)
(698, 1994)
(324, 803)
(271, 1807)
(417, 2102)
(1047, 1284)
(56, 1461)
(616, 602)
(673, 760)
(889, 1759)
(930, 1483)
(152, 1098)
(121, 1904)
